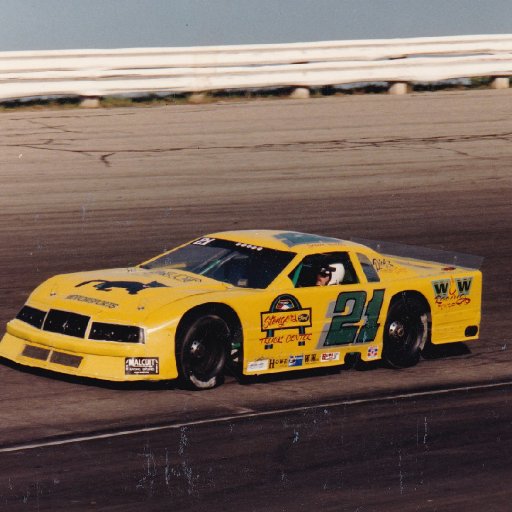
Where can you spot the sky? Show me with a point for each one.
(85, 24)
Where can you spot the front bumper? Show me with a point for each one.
(54, 353)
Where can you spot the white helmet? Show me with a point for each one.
(337, 273)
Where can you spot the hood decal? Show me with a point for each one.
(92, 300)
(132, 287)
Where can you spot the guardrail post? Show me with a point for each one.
(90, 102)
(500, 82)
(300, 93)
(398, 88)
(196, 98)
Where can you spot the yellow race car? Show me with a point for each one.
(248, 302)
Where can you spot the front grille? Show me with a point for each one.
(63, 322)
(35, 352)
(66, 359)
(73, 324)
(32, 316)
(115, 332)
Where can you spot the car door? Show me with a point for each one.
(345, 314)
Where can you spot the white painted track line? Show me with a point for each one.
(243, 415)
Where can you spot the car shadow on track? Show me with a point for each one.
(86, 381)
(432, 352)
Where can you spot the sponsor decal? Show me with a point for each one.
(295, 360)
(278, 363)
(452, 292)
(328, 357)
(382, 264)
(286, 338)
(132, 287)
(141, 366)
(285, 320)
(311, 358)
(284, 304)
(249, 246)
(287, 362)
(373, 352)
(285, 312)
(182, 278)
(92, 300)
(203, 241)
(258, 366)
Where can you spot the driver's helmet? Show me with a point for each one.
(325, 271)
(337, 271)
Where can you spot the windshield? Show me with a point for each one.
(236, 263)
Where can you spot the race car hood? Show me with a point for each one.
(125, 294)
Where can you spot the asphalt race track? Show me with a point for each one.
(86, 189)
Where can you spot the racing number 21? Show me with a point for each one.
(343, 330)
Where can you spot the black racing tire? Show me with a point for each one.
(201, 352)
(405, 333)
(235, 359)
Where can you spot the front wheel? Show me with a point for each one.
(201, 352)
(405, 332)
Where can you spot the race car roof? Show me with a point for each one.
(284, 240)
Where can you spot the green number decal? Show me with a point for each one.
(371, 315)
(342, 330)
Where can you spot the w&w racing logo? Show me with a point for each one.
(452, 292)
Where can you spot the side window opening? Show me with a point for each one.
(368, 269)
(324, 269)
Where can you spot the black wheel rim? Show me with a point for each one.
(204, 354)
(402, 335)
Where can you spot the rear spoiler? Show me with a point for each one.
(457, 259)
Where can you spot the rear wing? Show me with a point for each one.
(456, 259)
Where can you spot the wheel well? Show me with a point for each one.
(407, 295)
(213, 308)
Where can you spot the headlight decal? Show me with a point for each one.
(31, 316)
(115, 332)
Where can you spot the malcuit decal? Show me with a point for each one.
(373, 352)
(141, 366)
(285, 313)
(258, 366)
(132, 287)
(354, 320)
(327, 357)
(450, 293)
(91, 300)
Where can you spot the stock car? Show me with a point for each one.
(246, 302)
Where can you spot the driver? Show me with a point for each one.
(323, 276)
(330, 274)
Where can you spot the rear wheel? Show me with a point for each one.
(405, 333)
(201, 352)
